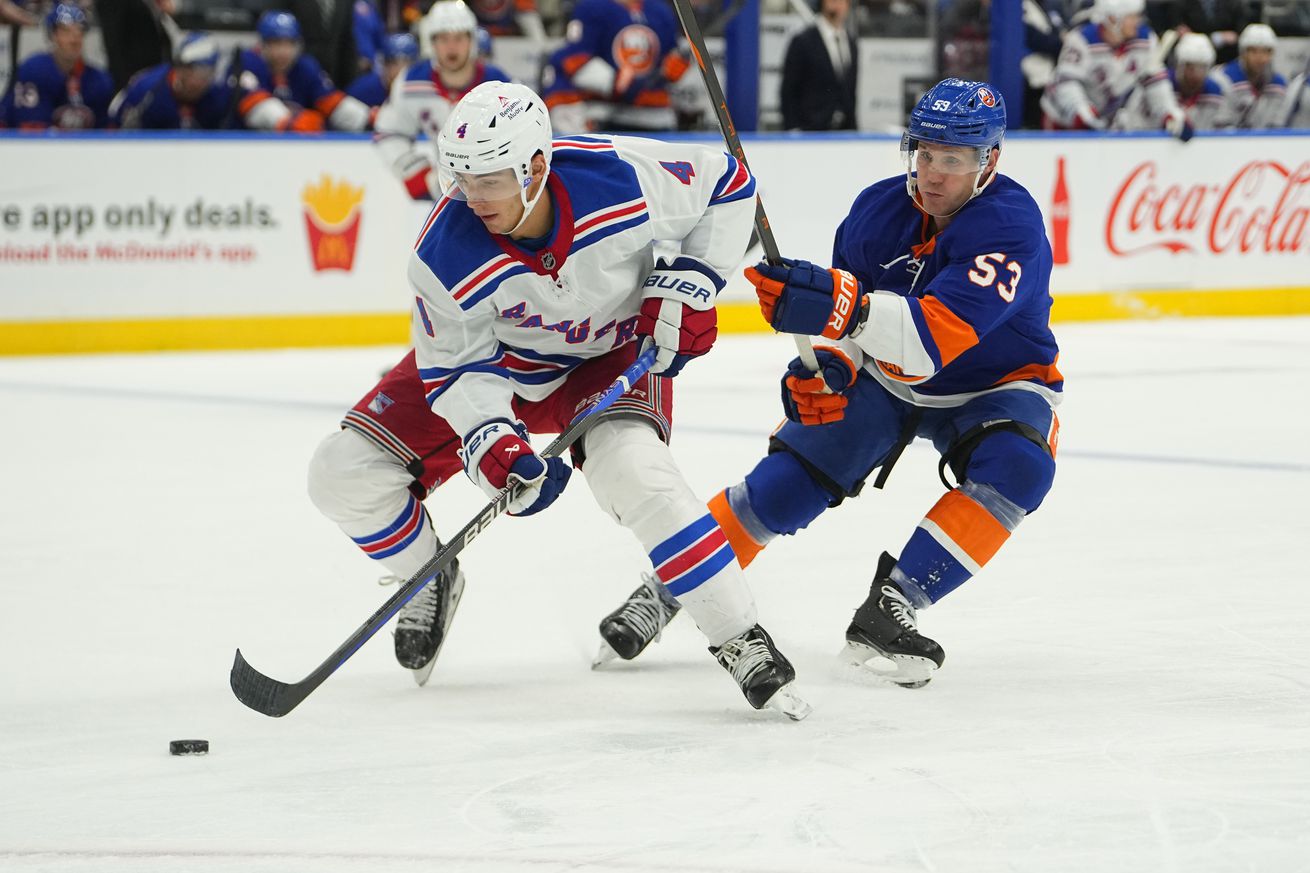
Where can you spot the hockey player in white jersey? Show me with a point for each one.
(1195, 90)
(536, 283)
(421, 99)
(1101, 65)
(1255, 96)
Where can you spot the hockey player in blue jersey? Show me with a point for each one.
(187, 95)
(615, 70)
(398, 52)
(535, 282)
(58, 88)
(279, 66)
(937, 310)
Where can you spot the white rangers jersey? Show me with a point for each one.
(1092, 81)
(494, 319)
(1298, 103)
(419, 103)
(1201, 108)
(1246, 106)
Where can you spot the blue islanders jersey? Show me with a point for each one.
(44, 96)
(304, 86)
(368, 89)
(499, 17)
(959, 313)
(149, 103)
(637, 40)
(494, 320)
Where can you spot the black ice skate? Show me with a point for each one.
(762, 673)
(884, 638)
(425, 620)
(627, 631)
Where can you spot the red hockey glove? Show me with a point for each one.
(678, 312)
(805, 394)
(799, 297)
(496, 454)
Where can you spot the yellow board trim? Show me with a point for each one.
(365, 329)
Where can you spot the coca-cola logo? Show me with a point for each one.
(1263, 208)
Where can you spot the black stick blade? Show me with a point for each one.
(261, 693)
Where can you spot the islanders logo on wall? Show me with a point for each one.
(332, 219)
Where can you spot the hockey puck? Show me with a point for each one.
(188, 747)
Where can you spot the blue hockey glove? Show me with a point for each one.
(497, 454)
(800, 297)
(805, 394)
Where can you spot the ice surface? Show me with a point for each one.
(1127, 686)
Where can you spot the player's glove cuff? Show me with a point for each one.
(686, 279)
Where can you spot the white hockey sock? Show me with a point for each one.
(365, 491)
(634, 478)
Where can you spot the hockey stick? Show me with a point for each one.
(271, 697)
(691, 27)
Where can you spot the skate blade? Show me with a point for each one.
(604, 655)
(422, 674)
(907, 671)
(786, 701)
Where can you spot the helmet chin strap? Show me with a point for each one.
(528, 205)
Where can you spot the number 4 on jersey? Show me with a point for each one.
(681, 169)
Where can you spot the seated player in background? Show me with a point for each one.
(278, 66)
(1103, 64)
(616, 69)
(421, 99)
(536, 282)
(59, 88)
(1255, 96)
(1195, 91)
(937, 308)
(399, 52)
(186, 95)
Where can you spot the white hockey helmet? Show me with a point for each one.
(1194, 48)
(447, 16)
(1116, 10)
(1257, 36)
(498, 126)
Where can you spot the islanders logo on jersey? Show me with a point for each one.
(637, 49)
(332, 219)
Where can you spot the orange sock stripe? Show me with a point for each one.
(973, 529)
(743, 544)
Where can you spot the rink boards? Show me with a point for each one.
(118, 242)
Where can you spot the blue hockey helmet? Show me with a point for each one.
(955, 113)
(66, 15)
(198, 49)
(400, 45)
(278, 24)
(483, 39)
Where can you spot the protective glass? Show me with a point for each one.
(480, 187)
(920, 155)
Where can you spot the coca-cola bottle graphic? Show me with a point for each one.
(1060, 216)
